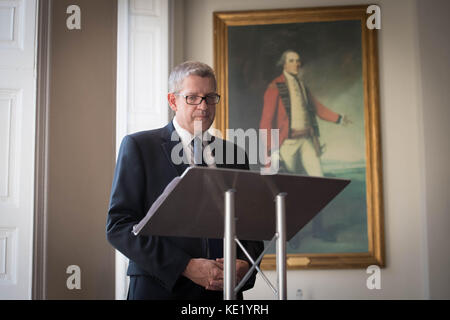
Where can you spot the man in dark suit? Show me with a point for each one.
(171, 267)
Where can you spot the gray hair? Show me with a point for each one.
(185, 69)
(282, 60)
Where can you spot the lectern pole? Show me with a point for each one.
(281, 245)
(229, 247)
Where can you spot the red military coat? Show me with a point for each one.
(274, 115)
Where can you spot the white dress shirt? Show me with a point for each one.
(186, 139)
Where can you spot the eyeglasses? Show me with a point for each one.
(196, 100)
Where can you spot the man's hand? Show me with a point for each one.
(206, 273)
(242, 267)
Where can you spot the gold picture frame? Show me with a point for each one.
(260, 24)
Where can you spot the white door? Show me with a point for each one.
(17, 134)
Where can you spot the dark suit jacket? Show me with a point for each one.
(143, 170)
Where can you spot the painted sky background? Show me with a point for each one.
(332, 69)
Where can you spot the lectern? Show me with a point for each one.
(237, 204)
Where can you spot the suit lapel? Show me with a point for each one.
(168, 144)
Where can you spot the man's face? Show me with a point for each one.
(185, 113)
(292, 64)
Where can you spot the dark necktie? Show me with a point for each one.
(215, 245)
(197, 147)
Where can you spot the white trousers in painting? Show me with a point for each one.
(299, 156)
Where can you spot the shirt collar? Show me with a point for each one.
(185, 136)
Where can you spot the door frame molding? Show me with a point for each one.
(39, 277)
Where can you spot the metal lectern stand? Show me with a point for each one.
(230, 250)
(212, 199)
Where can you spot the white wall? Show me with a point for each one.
(435, 67)
(413, 196)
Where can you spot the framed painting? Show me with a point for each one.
(313, 74)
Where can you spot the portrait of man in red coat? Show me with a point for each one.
(291, 107)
